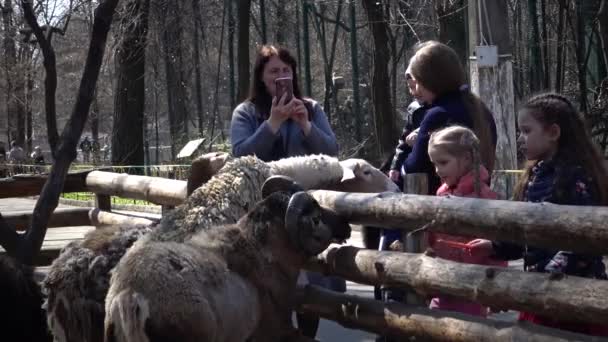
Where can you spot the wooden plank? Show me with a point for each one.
(153, 189)
(409, 323)
(31, 185)
(497, 287)
(61, 217)
(563, 227)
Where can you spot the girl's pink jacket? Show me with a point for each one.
(453, 247)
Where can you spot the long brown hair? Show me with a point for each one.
(437, 67)
(574, 146)
(258, 94)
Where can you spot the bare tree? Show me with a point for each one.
(129, 97)
(25, 247)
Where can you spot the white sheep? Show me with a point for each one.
(79, 279)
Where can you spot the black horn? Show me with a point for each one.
(280, 183)
(304, 224)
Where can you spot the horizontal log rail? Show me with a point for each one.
(62, 217)
(572, 228)
(406, 321)
(103, 218)
(569, 298)
(31, 185)
(157, 190)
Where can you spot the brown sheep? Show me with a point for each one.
(78, 280)
(245, 273)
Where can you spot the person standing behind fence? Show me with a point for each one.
(272, 128)
(439, 81)
(454, 151)
(564, 167)
(85, 147)
(16, 156)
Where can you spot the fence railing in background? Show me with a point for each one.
(576, 228)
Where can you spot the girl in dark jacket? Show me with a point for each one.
(564, 167)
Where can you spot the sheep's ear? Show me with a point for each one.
(280, 183)
(347, 174)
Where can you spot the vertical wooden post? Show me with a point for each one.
(415, 242)
(103, 202)
(494, 85)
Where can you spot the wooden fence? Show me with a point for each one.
(582, 229)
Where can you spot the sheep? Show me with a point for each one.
(78, 280)
(21, 310)
(245, 273)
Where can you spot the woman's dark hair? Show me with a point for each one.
(574, 147)
(258, 94)
(437, 67)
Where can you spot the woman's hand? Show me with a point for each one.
(393, 175)
(481, 248)
(279, 112)
(300, 116)
(411, 138)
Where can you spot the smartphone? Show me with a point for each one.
(284, 85)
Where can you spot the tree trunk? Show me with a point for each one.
(263, 21)
(559, 54)
(26, 246)
(493, 286)
(197, 65)
(231, 76)
(282, 18)
(355, 71)
(581, 48)
(452, 26)
(129, 96)
(535, 67)
(545, 41)
(243, 20)
(385, 125)
(543, 225)
(14, 78)
(177, 95)
(406, 322)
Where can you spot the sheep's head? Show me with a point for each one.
(205, 167)
(310, 227)
(361, 176)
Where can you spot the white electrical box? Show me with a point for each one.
(487, 56)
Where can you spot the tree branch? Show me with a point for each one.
(66, 150)
(50, 81)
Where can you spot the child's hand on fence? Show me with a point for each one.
(481, 248)
(396, 246)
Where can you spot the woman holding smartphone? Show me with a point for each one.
(276, 121)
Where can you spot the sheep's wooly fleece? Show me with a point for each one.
(236, 188)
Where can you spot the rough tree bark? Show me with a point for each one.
(15, 81)
(177, 94)
(129, 96)
(406, 322)
(386, 129)
(25, 247)
(243, 64)
(570, 228)
(496, 287)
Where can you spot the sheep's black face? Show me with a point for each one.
(312, 228)
(340, 229)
